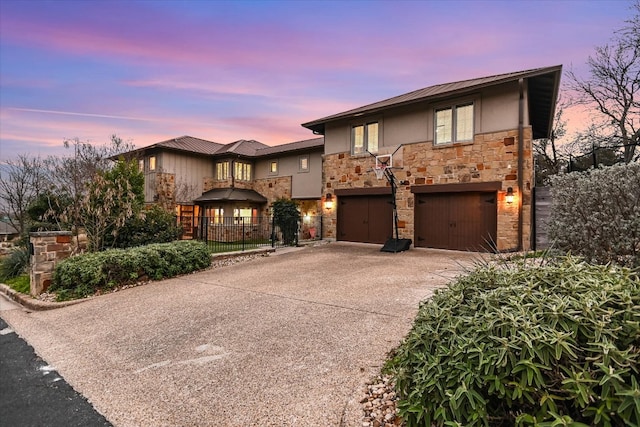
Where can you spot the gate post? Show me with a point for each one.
(47, 249)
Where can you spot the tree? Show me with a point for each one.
(286, 216)
(613, 87)
(111, 198)
(548, 162)
(21, 181)
(71, 175)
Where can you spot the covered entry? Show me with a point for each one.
(456, 216)
(365, 215)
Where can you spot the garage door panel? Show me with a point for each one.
(367, 219)
(380, 219)
(459, 221)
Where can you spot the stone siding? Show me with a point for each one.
(166, 190)
(491, 157)
(47, 248)
(274, 188)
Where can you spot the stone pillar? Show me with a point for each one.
(47, 248)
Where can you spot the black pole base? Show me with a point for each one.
(396, 245)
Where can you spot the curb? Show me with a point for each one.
(33, 304)
(30, 303)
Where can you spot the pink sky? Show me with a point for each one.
(153, 70)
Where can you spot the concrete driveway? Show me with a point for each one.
(284, 340)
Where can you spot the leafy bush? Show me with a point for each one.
(15, 263)
(83, 275)
(554, 344)
(596, 214)
(156, 225)
(286, 217)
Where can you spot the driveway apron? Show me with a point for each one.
(284, 340)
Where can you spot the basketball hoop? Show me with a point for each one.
(379, 172)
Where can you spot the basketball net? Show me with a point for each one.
(379, 171)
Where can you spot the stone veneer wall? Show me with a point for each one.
(48, 248)
(209, 183)
(274, 188)
(491, 157)
(166, 190)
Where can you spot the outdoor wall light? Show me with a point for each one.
(328, 201)
(509, 197)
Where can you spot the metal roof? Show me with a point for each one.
(242, 147)
(306, 144)
(231, 195)
(543, 90)
(188, 143)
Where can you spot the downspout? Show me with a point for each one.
(520, 160)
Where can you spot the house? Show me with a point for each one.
(212, 182)
(460, 152)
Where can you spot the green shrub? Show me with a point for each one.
(156, 225)
(15, 263)
(596, 214)
(20, 284)
(557, 344)
(84, 274)
(286, 216)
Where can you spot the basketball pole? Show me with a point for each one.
(393, 244)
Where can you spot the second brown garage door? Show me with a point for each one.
(367, 219)
(461, 221)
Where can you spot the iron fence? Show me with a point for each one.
(229, 234)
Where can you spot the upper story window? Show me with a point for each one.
(152, 163)
(364, 138)
(141, 165)
(222, 170)
(454, 124)
(242, 171)
(303, 163)
(273, 167)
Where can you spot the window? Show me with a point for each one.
(222, 171)
(273, 167)
(245, 216)
(454, 124)
(152, 163)
(242, 171)
(141, 165)
(215, 215)
(303, 163)
(364, 138)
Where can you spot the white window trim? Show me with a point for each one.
(453, 106)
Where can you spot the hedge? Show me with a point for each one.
(83, 275)
(545, 345)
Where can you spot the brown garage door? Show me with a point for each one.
(367, 219)
(461, 221)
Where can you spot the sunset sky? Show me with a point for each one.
(228, 70)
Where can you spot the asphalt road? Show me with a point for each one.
(32, 393)
(284, 340)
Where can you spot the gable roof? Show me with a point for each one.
(306, 144)
(242, 147)
(543, 90)
(185, 143)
